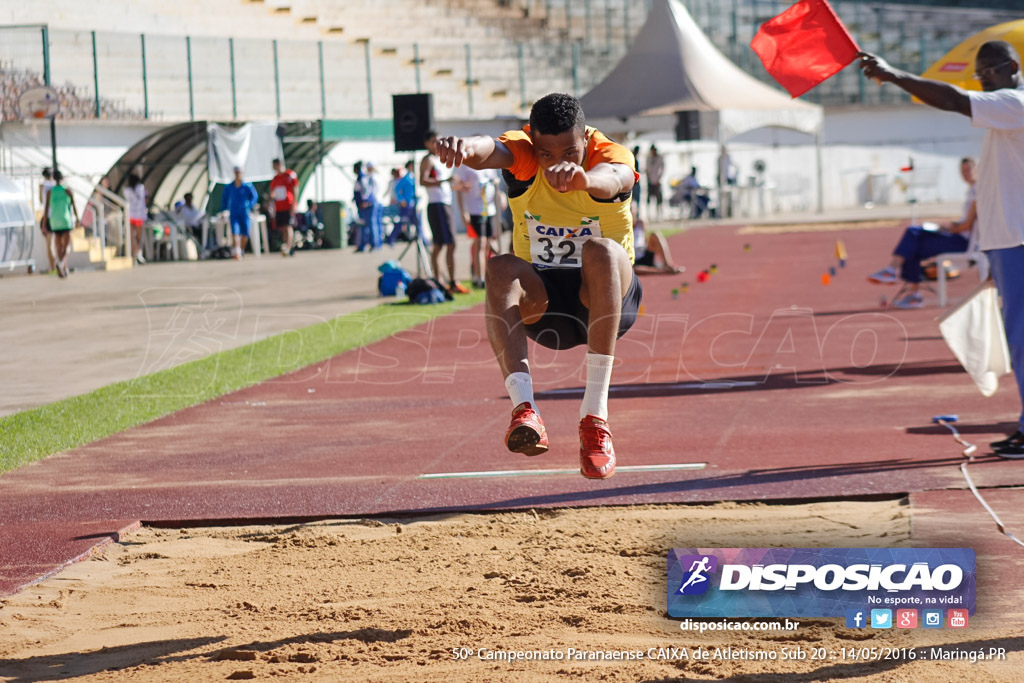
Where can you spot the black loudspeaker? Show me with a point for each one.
(687, 125)
(412, 117)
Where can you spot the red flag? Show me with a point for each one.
(804, 45)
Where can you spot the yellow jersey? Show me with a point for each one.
(550, 227)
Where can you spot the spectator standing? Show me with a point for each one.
(60, 207)
(436, 177)
(363, 197)
(135, 194)
(283, 188)
(44, 222)
(405, 196)
(477, 198)
(655, 171)
(727, 174)
(239, 199)
(377, 225)
(999, 109)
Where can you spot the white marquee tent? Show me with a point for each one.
(672, 66)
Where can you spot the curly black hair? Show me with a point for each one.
(557, 113)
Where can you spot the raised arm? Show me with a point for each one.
(933, 93)
(478, 151)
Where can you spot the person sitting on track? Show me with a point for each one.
(653, 256)
(570, 279)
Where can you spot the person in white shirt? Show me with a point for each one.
(999, 109)
(478, 197)
(191, 216)
(436, 178)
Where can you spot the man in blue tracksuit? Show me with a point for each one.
(239, 199)
(364, 197)
(405, 193)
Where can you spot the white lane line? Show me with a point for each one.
(615, 389)
(526, 473)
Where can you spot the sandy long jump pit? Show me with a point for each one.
(567, 594)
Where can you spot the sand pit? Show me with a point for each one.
(358, 600)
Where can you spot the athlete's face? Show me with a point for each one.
(568, 146)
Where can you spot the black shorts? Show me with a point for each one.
(441, 221)
(654, 193)
(564, 323)
(284, 219)
(481, 226)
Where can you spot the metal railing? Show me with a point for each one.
(557, 44)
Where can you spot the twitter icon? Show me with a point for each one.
(881, 618)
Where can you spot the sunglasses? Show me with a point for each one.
(990, 71)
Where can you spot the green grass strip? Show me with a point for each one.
(34, 434)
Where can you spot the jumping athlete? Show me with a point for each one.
(570, 280)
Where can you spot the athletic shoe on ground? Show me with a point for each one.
(526, 434)
(1013, 445)
(458, 288)
(914, 300)
(140, 260)
(886, 276)
(597, 456)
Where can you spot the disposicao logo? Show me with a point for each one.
(696, 580)
(818, 582)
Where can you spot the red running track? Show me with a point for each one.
(786, 388)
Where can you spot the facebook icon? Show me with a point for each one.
(855, 618)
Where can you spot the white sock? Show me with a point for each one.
(520, 389)
(599, 376)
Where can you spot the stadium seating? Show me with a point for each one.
(565, 45)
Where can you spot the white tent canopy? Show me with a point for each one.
(672, 66)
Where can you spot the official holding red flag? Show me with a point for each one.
(999, 110)
(804, 45)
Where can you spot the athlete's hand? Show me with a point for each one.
(452, 150)
(876, 68)
(566, 176)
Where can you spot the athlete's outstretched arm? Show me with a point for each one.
(478, 151)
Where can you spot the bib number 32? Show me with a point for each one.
(565, 253)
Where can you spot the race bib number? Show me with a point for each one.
(281, 193)
(558, 246)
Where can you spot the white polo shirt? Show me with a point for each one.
(1001, 168)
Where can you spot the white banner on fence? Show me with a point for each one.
(253, 148)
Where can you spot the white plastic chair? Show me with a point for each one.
(964, 259)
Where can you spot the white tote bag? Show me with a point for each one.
(974, 332)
